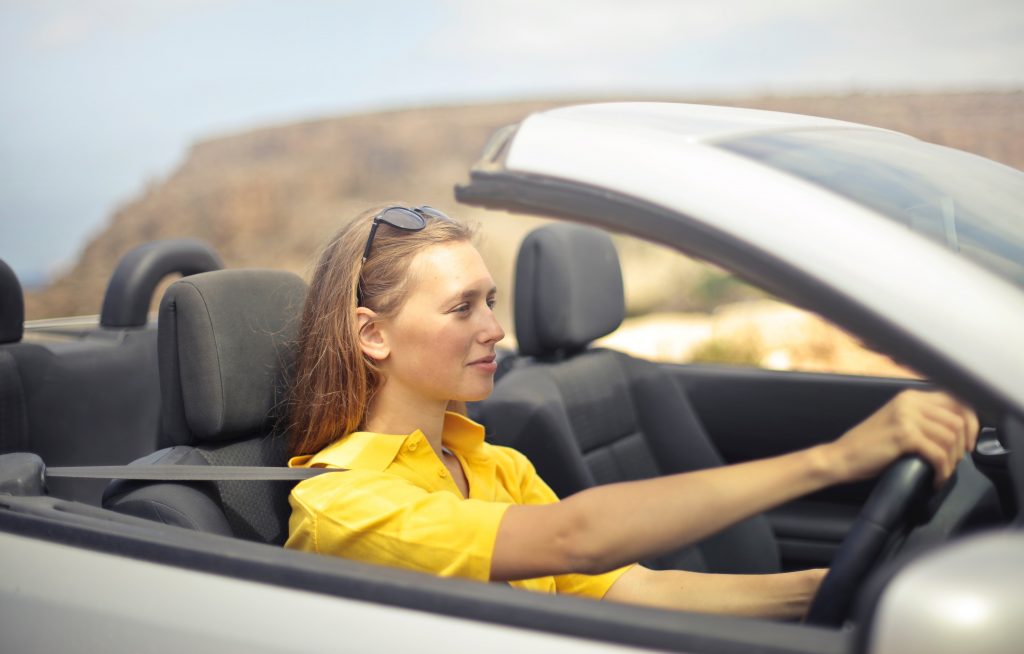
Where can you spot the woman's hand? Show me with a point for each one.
(930, 424)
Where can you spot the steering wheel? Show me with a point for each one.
(904, 485)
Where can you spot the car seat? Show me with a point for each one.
(225, 346)
(587, 416)
(13, 419)
(89, 394)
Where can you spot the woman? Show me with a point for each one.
(398, 325)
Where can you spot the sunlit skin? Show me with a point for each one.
(439, 347)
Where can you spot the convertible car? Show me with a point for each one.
(916, 249)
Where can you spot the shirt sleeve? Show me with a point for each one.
(535, 491)
(381, 518)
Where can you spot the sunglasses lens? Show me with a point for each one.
(433, 213)
(403, 218)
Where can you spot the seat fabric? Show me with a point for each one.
(225, 344)
(12, 305)
(13, 419)
(589, 416)
(90, 396)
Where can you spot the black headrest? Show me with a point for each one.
(12, 306)
(226, 341)
(568, 289)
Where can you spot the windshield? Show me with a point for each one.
(967, 203)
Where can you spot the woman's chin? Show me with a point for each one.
(476, 394)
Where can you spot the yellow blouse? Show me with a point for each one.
(397, 505)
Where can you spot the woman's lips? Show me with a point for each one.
(486, 364)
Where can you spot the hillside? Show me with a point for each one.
(270, 197)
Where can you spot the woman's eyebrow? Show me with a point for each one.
(469, 294)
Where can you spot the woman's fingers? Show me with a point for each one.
(968, 419)
(931, 424)
(971, 424)
(942, 447)
(948, 428)
(973, 428)
(930, 440)
(939, 460)
(940, 429)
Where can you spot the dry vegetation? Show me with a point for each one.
(270, 197)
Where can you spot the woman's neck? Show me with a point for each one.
(395, 412)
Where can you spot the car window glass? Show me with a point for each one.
(682, 310)
(969, 204)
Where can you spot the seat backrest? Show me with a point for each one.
(13, 422)
(225, 344)
(85, 394)
(587, 416)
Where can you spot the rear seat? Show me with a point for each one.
(89, 396)
(13, 422)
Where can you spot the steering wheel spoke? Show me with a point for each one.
(905, 485)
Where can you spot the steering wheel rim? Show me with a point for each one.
(904, 485)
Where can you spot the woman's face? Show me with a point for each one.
(441, 341)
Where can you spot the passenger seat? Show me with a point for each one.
(226, 345)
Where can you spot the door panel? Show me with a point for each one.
(751, 413)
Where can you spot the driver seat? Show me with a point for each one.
(586, 416)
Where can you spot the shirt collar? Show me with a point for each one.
(364, 450)
(462, 434)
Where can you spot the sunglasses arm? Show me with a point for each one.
(369, 241)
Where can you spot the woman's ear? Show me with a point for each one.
(372, 339)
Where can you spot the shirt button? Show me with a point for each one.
(412, 446)
(441, 472)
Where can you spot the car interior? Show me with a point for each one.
(207, 387)
(89, 394)
(224, 346)
(587, 416)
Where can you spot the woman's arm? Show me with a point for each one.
(607, 526)
(604, 527)
(785, 595)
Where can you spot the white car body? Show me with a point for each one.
(76, 577)
(666, 154)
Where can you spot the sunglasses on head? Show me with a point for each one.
(409, 219)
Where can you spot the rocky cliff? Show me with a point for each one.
(270, 197)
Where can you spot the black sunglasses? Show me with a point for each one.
(405, 218)
(408, 219)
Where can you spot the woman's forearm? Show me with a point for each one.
(604, 527)
(622, 523)
(786, 595)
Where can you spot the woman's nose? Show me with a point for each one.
(492, 332)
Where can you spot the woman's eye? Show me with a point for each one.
(491, 302)
(462, 308)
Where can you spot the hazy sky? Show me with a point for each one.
(100, 97)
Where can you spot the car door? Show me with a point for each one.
(752, 413)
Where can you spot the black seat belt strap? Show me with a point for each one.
(188, 473)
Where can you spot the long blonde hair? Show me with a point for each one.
(334, 381)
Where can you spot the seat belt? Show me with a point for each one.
(188, 473)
